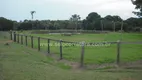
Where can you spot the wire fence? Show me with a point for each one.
(65, 49)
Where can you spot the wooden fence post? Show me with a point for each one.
(26, 40)
(82, 54)
(21, 39)
(14, 36)
(48, 43)
(10, 35)
(18, 38)
(118, 52)
(61, 55)
(38, 43)
(32, 41)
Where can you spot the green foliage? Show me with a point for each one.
(74, 21)
(138, 4)
(132, 24)
(92, 22)
(5, 24)
(93, 16)
(112, 18)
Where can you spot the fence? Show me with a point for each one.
(67, 31)
(19, 39)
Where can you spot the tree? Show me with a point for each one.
(46, 24)
(113, 18)
(92, 21)
(6, 24)
(56, 25)
(112, 22)
(138, 4)
(32, 14)
(133, 23)
(75, 18)
(25, 25)
(117, 18)
(93, 16)
(109, 18)
(15, 25)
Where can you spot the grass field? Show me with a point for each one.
(95, 54)
(18, 62)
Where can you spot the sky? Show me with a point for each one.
(63, 9)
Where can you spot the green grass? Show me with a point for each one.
(18, 62)
(95, 54)
(95, 37)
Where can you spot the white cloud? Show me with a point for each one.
(63, 9)
(86, 2)
(122, 8)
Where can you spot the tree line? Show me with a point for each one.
(92, 22)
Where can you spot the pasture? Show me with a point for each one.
(18, 62)
(99, 54)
